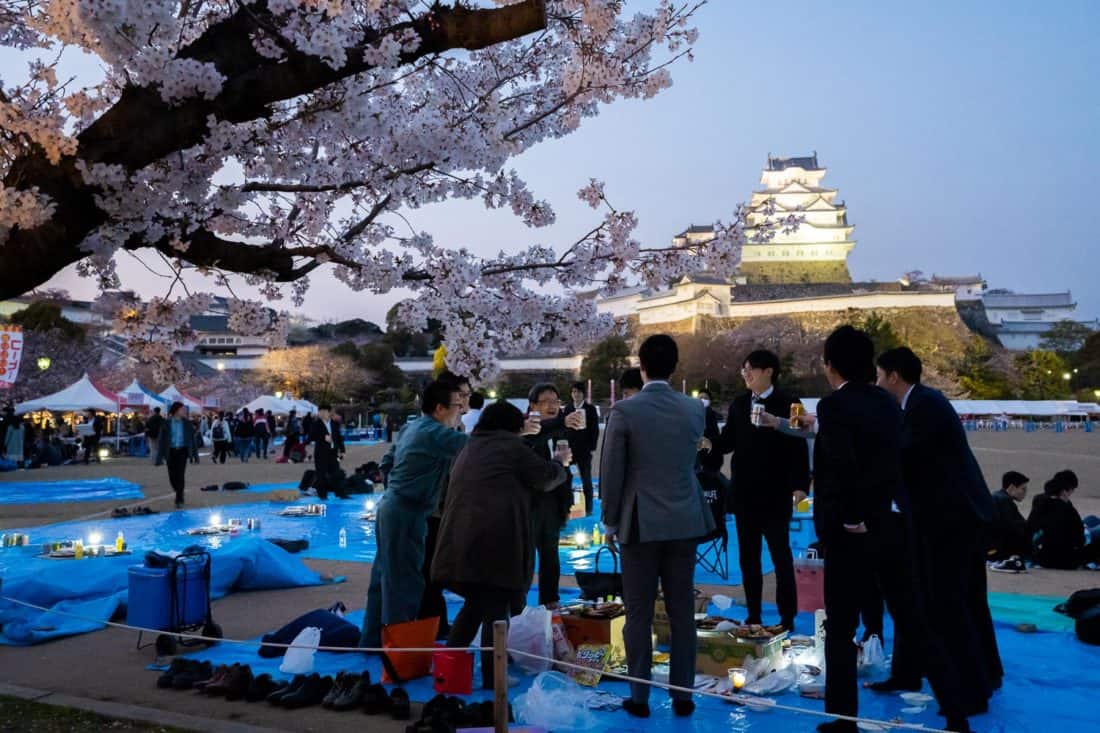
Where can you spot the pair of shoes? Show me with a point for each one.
(893, 684)
(187, 671)
(216, 677)
(311, 692)
(637, 709)
(276, 696)
(238, 683)
(1012, 565)
(348, 691)
(838, 726)
(683, 708)
(376, 701)
(399, 704)
(262, 686)
(119, 511)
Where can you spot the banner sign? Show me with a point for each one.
(11, 352)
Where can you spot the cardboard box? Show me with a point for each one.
(717, 651)
(580, 630)
(660, 616)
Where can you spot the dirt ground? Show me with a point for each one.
(106, 665)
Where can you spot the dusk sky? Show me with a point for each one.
(964, 137)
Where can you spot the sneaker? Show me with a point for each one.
(1012, 565)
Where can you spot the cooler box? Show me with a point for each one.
(150, 601)
(809, 578)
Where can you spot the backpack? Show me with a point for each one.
(1084, 608)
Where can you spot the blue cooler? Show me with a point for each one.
(153, 605)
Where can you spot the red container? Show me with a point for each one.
(809, 576)
(453, 672)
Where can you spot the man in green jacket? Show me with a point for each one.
(424, 451)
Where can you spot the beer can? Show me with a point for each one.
(797, 411)
(757, 411)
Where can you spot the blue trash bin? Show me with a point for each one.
(151, 603)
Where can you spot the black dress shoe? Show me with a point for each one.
(637, 709)
(220, 685)
(311, 693)
(352, 697)
(893, 684)
(178, 666)
(838, 726)
(262, 686)
(399, 704)
(276, 697)
(337, 689)
(193, 675)
(237, 684)
(683, 708)
(376, 700)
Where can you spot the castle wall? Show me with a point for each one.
(795, 272)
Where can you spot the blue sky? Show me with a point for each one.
(964, 137)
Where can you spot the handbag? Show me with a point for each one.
(596, 585)
(399, 667)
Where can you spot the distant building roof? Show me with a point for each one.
(1039, 327)
(693, 229)
(1025, 300)
(806, 162)
(210, 324)
(706, 278)
(956, 279)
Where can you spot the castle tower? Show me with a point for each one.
(816, 252)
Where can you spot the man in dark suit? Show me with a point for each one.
(582, 441)
(654, 507)
(857, 475)
(951, 508)
(328, 449)
(771, 471)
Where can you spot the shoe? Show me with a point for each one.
(262, 686)
(399, 704)
(178, 666)
(194, 676)
(838, 726)
(353, 696)
(311, 693)
(1012, 565)
(337, 689)
(276, 697)
(637, 709)
(376, 700)
(220, 685)
(238, 683)
(958, 725)
(753, 620)
(893, 684)
(683, 708)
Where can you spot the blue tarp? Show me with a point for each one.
(97, 587)
(1050, 684)
(49, 492)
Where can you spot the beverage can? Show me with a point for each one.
(797, 411)
(757, 411)
(582, 419)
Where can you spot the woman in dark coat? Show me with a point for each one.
(485, 551)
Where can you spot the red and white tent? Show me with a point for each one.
(76, 397)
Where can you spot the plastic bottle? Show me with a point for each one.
(597, 538)
(78, 550)
(343, 537)
(120, 542)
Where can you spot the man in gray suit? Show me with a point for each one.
(654, 508)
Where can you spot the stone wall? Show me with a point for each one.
(795, 272)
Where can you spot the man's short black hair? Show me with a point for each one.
(764, 359)
(176, 407)
(477, 400)
(659, 355)
(903, 362)
(455, 380)
(579, 387)
(1012, 478)
(501, 415)
(631, 379)
(704, 391)
(437, 393)
(323, 406)
(851, 354)
(1065, 479)
(156, 410)
(538, 389)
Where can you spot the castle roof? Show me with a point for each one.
(806, 162)
(956, 279)
(693, 229)
(1039, 327)
(1025, 300)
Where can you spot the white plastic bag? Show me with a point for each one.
(299, 660)
(555, 703)
(872, 657)
(531, 632)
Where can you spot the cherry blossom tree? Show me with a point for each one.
(268, 138)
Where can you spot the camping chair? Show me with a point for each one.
(712, 555)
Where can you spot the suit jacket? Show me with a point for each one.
(857, 459)
(165, 438)
(942, 478)
(648, 488)
(558, 502)
(325, 453)
(768, 466)
(583, 442)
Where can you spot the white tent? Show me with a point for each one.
(76, 397)
(304, 407)
(269, 402)
(171, 394)
(137, 395)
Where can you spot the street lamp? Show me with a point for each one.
(1067, 376)
(279, 395)
(221, 366)
(44, 363)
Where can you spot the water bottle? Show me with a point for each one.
(343, 537)
(120, 542)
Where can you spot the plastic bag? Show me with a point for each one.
(299, 660)
(775, 683)
(531, 632)
(555, 703)
(872, 658)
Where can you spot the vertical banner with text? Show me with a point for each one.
(11, 352)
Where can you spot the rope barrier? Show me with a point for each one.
(244, 642)
(771, 704)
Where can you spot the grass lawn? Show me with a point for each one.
(25, 716)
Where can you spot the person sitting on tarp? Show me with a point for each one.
(1008, 532)
(1058, 531)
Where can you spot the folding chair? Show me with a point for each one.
(713, 554)
(714, 557)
